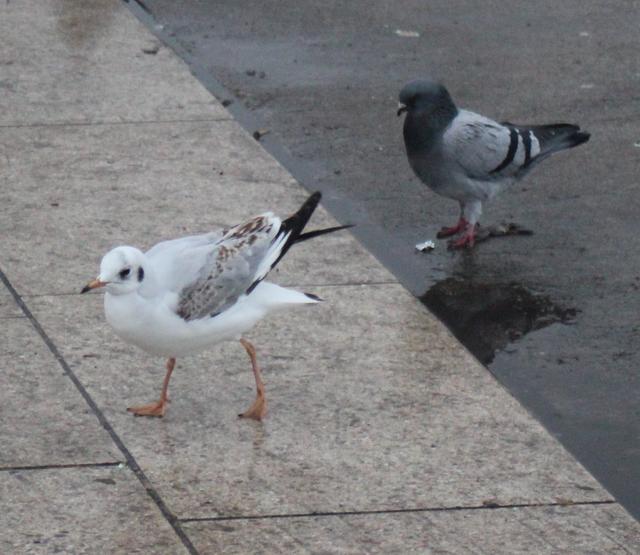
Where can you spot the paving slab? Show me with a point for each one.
(81, 510)
(585, 529)
(90, 188)
(383, 416)
(43, 419)
(83, 62)
(8, 306)
(373, 405)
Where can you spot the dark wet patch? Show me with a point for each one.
(486, 317)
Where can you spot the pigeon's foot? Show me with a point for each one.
(258, 410)
(467, 239)
(152, 409)
(449, 231)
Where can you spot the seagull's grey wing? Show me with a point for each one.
(486, 150)
(178, 262)
(229, 268)
(173, 246)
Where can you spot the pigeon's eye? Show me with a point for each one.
(124, 273)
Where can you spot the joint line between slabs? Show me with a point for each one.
(130, 460)
(105, 123)
(58, 466)
(398, 511)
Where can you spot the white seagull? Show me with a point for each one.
(186, 295)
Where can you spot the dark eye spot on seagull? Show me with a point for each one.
(124, 273)
(140, 274)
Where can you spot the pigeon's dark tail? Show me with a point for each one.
(559, 136)
(294, 225)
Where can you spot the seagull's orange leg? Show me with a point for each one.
(157, 408)
(258, 409)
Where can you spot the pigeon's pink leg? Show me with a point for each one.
(467, 239)
(449, 231)
(258, 409)
(157, 408)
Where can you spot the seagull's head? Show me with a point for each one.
(121, 271)
(425, 96)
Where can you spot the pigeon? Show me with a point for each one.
(468, 157)
(185, 295)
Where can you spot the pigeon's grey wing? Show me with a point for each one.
(229, 268)
(486, 150)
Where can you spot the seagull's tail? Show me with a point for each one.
(290, 232)
(273, 297)
(318, 232)
(292, 227)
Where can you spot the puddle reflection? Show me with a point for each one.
(486, 317)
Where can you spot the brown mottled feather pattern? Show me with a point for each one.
(229, 269)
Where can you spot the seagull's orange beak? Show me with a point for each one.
(93, 285)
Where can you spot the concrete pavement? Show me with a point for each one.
(384, 434)
(324, 78)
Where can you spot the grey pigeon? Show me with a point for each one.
(468, 157)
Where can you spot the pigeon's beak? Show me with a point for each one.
(93, 285)
(401, 108)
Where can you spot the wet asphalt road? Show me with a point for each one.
(560, 307)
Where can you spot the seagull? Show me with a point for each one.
(185, 295)
(468, 157)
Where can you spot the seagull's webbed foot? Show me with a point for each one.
(449, 231)
(152, 409)
(258, 409)
(157, 408)
(467, 239)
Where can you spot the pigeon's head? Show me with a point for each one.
(426, 97)
(121, 271)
